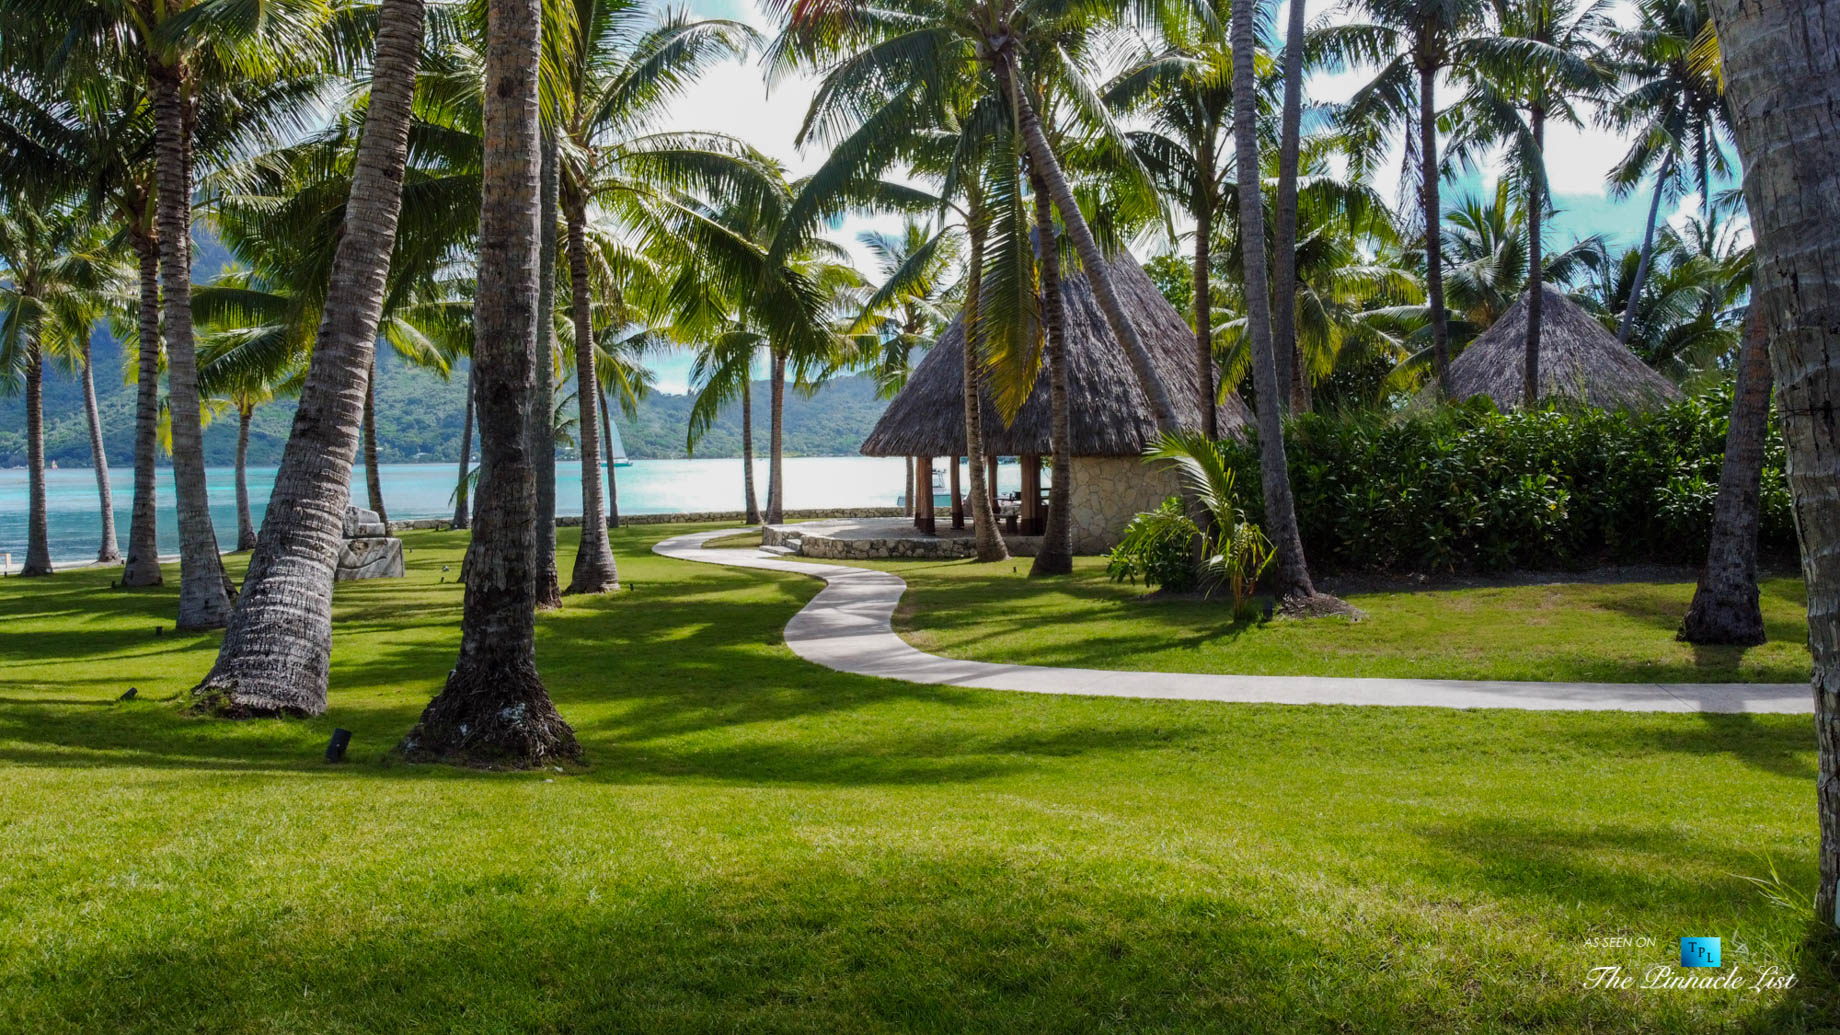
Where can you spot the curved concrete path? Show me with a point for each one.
(846, 627)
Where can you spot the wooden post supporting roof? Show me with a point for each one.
(1031, 522)
(924, 520)
(958, 498)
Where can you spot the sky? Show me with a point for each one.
(733, 98)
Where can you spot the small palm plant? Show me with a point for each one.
(1162, 546)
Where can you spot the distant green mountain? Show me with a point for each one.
(419, 415)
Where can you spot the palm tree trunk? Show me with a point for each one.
(494, 709)
(747, 446)
(245, 528)
(1056, 554)
(109, 552)
(542, 431)
(463, 511)
(613, 478)
(204, 597)
(278, 647)
(1204, 311)
(1291, 574)
(143, 567)
(1726, 608)
(373, 478)
(1098, 274)
(1434, 222)
(1648, 253)
(987, 539)
(909, 500)
(1292, 377)
(1536, 267)
(1783, 81)
(38, 536)
(594, 566)
(776, 482)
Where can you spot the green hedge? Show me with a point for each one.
(1469, 489)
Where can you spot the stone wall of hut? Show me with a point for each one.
(1108, 491)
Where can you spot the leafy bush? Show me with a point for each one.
(1469, 489)
(1161, 546)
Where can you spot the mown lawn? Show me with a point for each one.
(1616, 632)
(762, 845)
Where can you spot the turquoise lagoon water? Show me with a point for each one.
(425, 491)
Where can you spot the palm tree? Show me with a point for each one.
(1486, 240)
(1186, 97)
(1677, 109)
(1726, 607)
(53, 271)
(1783, 79)
(543, 398)
(625, 68)
(1546, 56)
(494, 709)
(1412, 42)
(1284, 264)
(276, 652)
(721, 372)
(1291, 576)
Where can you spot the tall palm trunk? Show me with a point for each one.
(987, 539)
(1536, 265)
(1056, 554)
(463, 511)
(494, 709)
(1783, 80)
(278, 647)
(776, 483)
(109, 552)
(1204, 292)
(747, 446)
(1726, 608)
(543, 402)
(38, 535)
(1293, 379)
(1291, 575)
(1098, 274)
(204, 597)
(1648, 252)
(245, 528)
(1434, 221)
(594, 566)
(613, 478)
(373, 478)
(143, 567)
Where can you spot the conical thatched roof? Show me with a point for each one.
(1580, 362)
(1110, 416)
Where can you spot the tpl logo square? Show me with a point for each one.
(1699, 952)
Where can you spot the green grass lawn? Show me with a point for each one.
(759, 844)
(1590, 632)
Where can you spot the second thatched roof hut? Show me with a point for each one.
(1580, 362)
(1110, 419)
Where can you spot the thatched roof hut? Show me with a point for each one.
(1580, 362)
(1109, 414)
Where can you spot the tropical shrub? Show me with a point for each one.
(1162, 546)
(1470, 489)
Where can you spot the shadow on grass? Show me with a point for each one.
(892, 941)
(1775, 747)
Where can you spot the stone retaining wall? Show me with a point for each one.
(826, 548)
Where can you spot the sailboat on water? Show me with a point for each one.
(615, 447)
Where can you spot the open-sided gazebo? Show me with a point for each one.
(1580, 362)
(1111, 421)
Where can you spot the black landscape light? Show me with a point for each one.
(335, 748)
(129, 696)
(1270, 606)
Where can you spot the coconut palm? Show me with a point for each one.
(1291, 375)
(722, 372)
(494, 709)
(1486, 240)
(276, 651)
(1675, 106)
(54, 273)
(1783, 80)
(626, 66)
(1544, 58)
(1409, 43)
